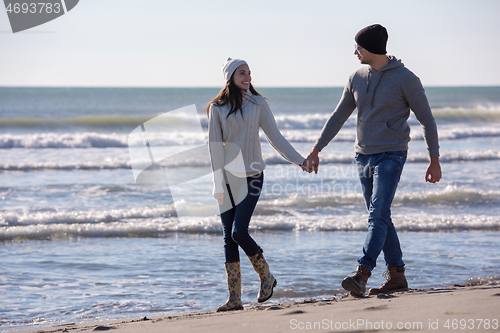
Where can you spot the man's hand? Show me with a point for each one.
(311, 163)
(433, 174)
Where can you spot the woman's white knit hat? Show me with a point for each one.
(230, 66)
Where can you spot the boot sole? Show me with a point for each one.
(272, 289)
(355, 291)
(233, 309)
(371, 293)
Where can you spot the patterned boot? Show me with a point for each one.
(234, 286)
(396, 281)
(267, 281)
(357, 284)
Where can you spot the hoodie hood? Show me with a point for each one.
(393, 63)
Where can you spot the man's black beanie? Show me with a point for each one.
(373, 38)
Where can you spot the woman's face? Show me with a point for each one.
(242, 77)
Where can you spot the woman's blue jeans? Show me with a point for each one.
(235, 220)
(379, 175)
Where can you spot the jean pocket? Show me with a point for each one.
(397, 155)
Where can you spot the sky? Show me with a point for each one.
(174, 43)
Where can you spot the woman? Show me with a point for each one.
(235, 116)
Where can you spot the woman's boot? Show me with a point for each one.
(267, 281)
(234, 285)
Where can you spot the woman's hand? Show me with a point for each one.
(303, 166)
(312, 161)
(219, 197)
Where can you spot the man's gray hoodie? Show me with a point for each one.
(383, 99)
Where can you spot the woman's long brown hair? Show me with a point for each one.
(231, 95)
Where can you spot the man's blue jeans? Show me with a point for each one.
(379, 175)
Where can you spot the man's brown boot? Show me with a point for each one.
(396, 281)
(357, 284)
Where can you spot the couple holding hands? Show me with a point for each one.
(383, 92)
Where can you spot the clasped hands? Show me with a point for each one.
(311, 163)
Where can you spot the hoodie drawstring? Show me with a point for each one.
(368, 79)
(375, 90)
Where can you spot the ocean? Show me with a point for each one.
(81, 241)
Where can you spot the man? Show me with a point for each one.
(383, 92)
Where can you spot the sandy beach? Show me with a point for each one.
(464, 308)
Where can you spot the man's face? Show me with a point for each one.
(363, 55)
